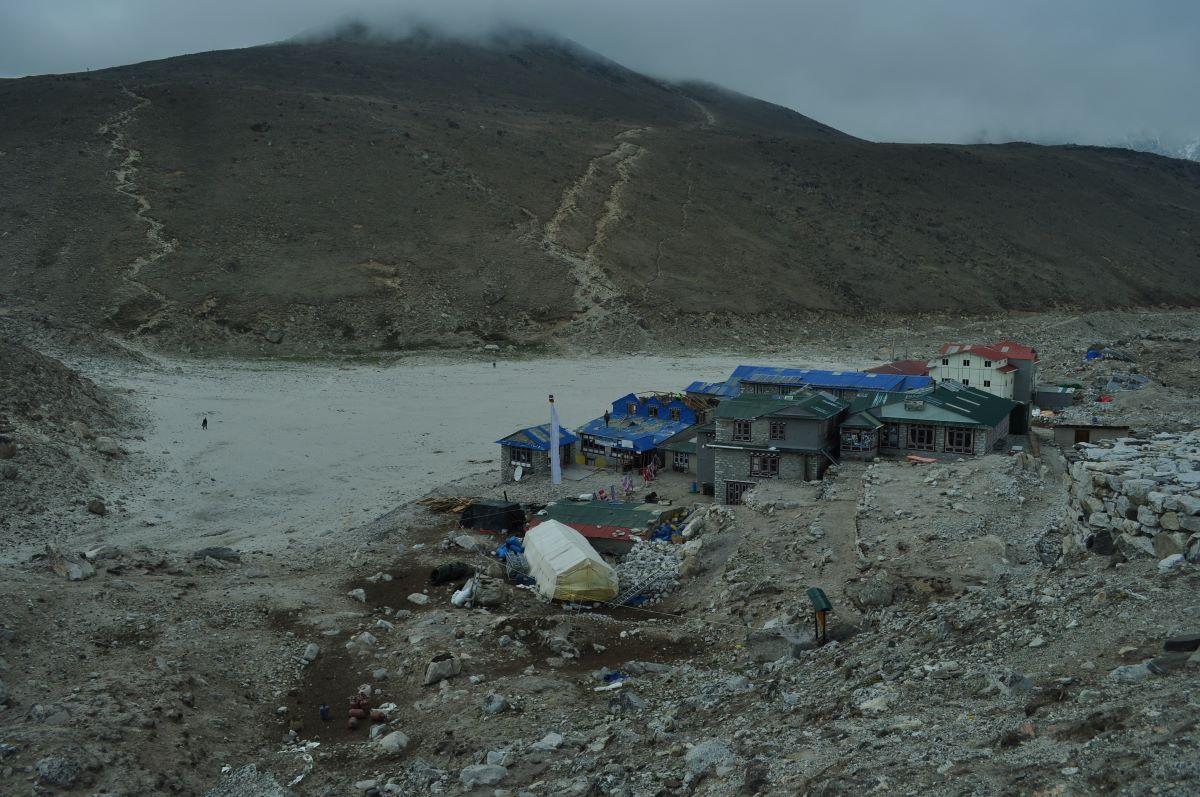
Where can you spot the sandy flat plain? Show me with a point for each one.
(305, 449)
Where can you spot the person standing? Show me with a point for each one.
(204, 423)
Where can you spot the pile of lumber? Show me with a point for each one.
(444, 503)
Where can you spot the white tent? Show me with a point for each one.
(565, 565)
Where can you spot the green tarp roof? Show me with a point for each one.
(604, 513)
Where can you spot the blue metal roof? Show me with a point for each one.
(538, 438)
(633, 433)
(811, 377)
(832, 380)
(719, 389)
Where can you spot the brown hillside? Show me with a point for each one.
(362, 196)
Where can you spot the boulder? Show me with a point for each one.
(311, 651)
(711, 756)
(482, 775)
(1167, 544)
(108, 447)
(1134, 546)
(877, 591)
(443, 666)
(97, 507)
(393, 742)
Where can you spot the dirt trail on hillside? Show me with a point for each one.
(606, 177)
(126, 185)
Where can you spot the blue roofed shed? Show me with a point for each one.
(529, 451)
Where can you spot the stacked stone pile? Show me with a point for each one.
(652, 566)
(1139, 497)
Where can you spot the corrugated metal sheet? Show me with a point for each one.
(633, 433)
(537, 438)
(834, 380)
(949, 402)
(753, 405)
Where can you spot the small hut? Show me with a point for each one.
(527, 452)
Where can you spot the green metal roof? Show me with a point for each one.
(682, 447)
(863, 420)
(750, 406)
(949, 402)
(605, 513)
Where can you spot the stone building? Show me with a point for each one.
(529, 451)
(948, 420)
(760, 437)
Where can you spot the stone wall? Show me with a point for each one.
(1139, 497)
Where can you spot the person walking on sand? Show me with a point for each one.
(204, 423)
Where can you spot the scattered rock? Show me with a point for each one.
(57, 771)
(712, 756)
(248, 782)
(97, 507)
(220, 553)
(495, 704)
(358, 594)
(418, 598)
(311, 651)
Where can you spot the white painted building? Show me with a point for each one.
(984, 368)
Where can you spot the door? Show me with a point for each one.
(735, 490)
(1081, 435)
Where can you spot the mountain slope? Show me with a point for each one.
(361, 195)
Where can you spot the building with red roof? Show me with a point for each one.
(902, 368)
(1007, 368)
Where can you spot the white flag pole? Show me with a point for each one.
(555, 446)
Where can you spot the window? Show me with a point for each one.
(675, 414)
(735, 490)
(960, 441)
(652, 410)
(764, 465)
(967, 382)
(920, 437)
(945, 361)
(778, 430)
(588, 445)
(520, 456)
(680, 459)
(987, 383)
(858, 440)
(631, 408)
(966, 363)
(987, 363)
(741, 431)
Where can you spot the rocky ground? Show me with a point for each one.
(976, 649)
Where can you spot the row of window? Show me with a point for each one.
(921, 437)
(967, 363)
(743, 431)
(652, 410)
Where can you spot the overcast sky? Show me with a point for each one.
(1089, 71)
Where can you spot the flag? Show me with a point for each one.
(555, 449)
